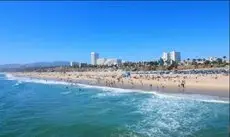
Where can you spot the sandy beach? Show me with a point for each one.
(210, 84)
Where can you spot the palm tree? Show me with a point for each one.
(207, 62)
(224, 57)
(219, 60)
(193, 60)
(184, 61)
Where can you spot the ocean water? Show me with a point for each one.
(39, 108)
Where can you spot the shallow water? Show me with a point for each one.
(40, 108)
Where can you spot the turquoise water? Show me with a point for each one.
(38, 108)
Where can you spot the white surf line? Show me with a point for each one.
(195, 97)
(34, 80)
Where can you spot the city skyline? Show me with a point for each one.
(131, 31)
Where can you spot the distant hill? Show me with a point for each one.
(47, 64)
(34, 65)
(5, 66)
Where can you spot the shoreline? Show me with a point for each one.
(218, 91)
(176, 95)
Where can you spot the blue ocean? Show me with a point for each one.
(39, 108)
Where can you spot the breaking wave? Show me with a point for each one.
(164, 117)
(34, 80)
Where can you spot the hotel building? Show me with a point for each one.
(171, 56)
(94, 57)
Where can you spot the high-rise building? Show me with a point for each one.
(71, 63)
(165, 56)
(95, 60)
(94, 57)
(171, 56)
(175, 56)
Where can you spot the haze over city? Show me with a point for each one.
(131, 31)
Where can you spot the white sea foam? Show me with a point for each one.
(194, 97)
(107, 94)
(175, 96)
(163, 117)
(103, 88)
(18, 83)
(34, 80)
(166, 116)
(65, 93)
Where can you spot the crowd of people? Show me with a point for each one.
(154, 80)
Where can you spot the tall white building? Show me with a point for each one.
(94, 57)
(71, 63)
(165, 56)
(175, 56)
(171, 56)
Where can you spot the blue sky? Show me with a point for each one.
(54, 31)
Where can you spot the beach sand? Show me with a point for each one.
(208, 84)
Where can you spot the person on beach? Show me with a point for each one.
(183, 84)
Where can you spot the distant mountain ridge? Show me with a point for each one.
(36, 64)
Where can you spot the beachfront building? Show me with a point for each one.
(108, 62)
(101, 61)
(80, 65)
(211, 59)
(170, 57)
(123, 61)
(165, 56)
(72, 63)
(94, 57)
(95, 60)
(111, 62)
(175, 56)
